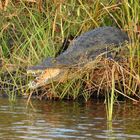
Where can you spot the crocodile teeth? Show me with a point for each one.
(37, 78)
(32, 85)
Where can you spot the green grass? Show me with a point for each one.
(27, 36)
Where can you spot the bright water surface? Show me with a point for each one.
(58, 120)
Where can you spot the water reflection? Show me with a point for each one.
(66, 120)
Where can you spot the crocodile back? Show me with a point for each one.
(87, 47)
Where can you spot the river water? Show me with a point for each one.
(67, 120)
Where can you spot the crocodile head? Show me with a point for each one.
(44, 76)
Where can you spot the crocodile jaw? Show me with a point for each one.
(46, 77)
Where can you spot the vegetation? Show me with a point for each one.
(30, 31)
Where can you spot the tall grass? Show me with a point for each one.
(110, 98)
(27, 36)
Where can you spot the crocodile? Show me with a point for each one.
(87, 47)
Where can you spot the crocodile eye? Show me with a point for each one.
(33, 73)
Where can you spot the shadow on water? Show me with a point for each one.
(60, 120)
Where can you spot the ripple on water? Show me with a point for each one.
(66, 120)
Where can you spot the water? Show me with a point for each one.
(59, 120)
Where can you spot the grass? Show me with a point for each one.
(110, 99)
(28, 34)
